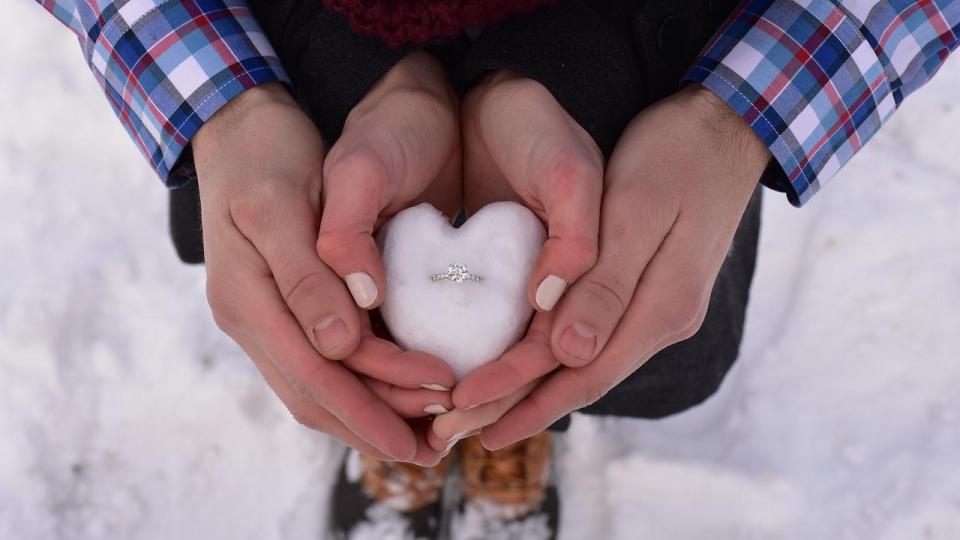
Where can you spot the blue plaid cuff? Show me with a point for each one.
(166, 66)
(816, 79)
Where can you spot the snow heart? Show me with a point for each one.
(459, 294)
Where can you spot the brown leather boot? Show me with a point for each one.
(403, 486)
(511, 482)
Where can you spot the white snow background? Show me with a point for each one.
(125, 414)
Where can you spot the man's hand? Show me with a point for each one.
(675, 191)
(260, 163)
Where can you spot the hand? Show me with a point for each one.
(520, 144)
(259, 162)
(676, 188)
(400, 145)
(492, 389)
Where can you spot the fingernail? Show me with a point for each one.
(437, 387)
(459, 436)
(363, 289)
(549, 291)
(579, 341)
(489, 449)
(330, 332)
(454, 440)
(435, 408)
(446, 449)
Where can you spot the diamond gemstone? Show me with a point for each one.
(458, 273)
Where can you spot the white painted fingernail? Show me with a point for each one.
(549, 291)
(435, 408)
(437, 387)
(362, 287)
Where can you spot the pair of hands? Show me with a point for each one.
(639, 242)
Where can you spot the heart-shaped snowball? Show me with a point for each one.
(459, 293)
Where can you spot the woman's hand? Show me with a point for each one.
(520, 144)
(400, 145)
(675, 191)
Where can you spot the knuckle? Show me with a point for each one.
(583, 250)
(296, 291)
(425, 104)
(311, 384)
(222, 307)
(301, 388)
(334, 245)
(681, 312)
(592, 393)
(306, 418)
(570, 174)
(691, 330)
(545, 412)
(251, 210)
(505, 92)
(348, 165)
(608, 289)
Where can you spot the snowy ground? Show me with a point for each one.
(124, 414)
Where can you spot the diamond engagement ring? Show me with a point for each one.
(457, 273)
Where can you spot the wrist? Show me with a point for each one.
(735, 137)
(237, 111)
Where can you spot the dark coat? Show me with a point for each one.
(603, 61)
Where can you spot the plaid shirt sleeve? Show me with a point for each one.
(166, 66)
(815, 79)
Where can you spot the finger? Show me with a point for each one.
(570, 189)
(284, 235)
(388, 155)
(426, 455)
(444, 446)
(631, 232)
(664, 310)
(456, 424)
(384, 361)
(260, 313)
(527, 361)
(410, 403)
(336, 389)
(304, 411)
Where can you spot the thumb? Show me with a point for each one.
(570, 190)
(354, 191)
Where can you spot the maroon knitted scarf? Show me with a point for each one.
(418, 21)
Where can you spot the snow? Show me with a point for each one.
(469, 323)
(124, 413)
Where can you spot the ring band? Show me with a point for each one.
(457, 273)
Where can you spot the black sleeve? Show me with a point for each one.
(331, 66)
(582, 58)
